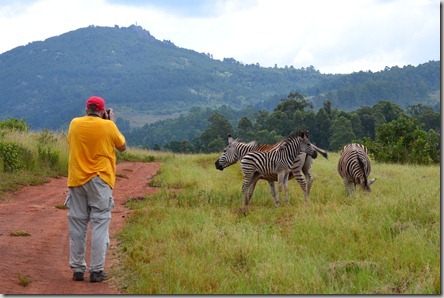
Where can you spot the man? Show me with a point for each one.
(91, 177)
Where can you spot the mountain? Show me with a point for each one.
(47, 82)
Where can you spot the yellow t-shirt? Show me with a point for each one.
(91, 150)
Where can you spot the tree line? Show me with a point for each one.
(391, 133)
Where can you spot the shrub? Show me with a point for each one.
(12, 156)
(403, 141)
(14, 124)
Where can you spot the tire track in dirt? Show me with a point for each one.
(43, 257)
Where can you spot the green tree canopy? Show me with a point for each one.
(341, 133)
(403, 141)
(219, 128)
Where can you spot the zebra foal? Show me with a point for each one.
(236, 150)
(274, 165)
(354, 167)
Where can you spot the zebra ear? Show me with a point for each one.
(230, 139)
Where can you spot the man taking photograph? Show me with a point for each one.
(91, 176)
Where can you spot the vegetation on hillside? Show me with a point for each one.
(391, 133)
(47, 82)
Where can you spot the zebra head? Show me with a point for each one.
(232, 153)
(306, 146)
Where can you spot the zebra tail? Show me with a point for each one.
(322, 151)
(362, 166)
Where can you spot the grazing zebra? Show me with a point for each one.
(354, 167)
(273, 165)
(236, 150)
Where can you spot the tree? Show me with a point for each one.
(389, 110)
(216, 145)
(278, 121)
(368, 121)
(320, 133)
(261, 120)
(267, 137)
(341, 133)
(327, 107)
(295, 102)
(357, 125)
(403, 141)
(245, 128)
(219, 127)
(426, 116)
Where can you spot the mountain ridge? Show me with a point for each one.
(47, 82)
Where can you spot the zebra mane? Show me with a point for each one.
(250, 144)
(299, 134)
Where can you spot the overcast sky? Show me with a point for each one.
(334, 36)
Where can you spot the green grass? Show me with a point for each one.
(24, 281)
(36, 167)
(191, 238)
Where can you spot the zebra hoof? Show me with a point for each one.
(243, 211)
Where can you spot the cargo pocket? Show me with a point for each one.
(110, 203)
(67, 200)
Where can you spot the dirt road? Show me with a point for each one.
(42, 257)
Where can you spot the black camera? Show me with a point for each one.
(107, 114)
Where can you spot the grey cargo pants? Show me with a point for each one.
(89, 203)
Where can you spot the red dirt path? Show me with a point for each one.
(43, 257)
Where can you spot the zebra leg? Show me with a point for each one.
(298, 176)
(245, 190)
(245, 187)
(272, 190)
(248, 188)
(349, 187)
(287, 196)
(282, 183)
(306, 169)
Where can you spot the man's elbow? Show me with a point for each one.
(122, 148)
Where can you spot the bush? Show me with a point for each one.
(14, 124)
(12, 156)
(403, 141)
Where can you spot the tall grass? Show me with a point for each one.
(192, 237)
(35, 156)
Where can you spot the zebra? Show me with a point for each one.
(236, 150)
(274, 165)
(354, 167)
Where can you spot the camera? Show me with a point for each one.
(107, 114)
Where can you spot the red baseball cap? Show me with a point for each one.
(95, 100)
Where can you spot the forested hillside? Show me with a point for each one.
(47, 82)
(393, 134)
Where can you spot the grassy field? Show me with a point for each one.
(192, 238)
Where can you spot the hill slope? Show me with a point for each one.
(47, 82)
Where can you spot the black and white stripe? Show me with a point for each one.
(236, 150)
(274, 165)
(354, 167)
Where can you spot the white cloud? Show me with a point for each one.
(333, 36)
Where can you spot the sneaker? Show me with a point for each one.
(98, 276)
(77, 276)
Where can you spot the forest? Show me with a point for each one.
(391, 133)
(47, 82)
